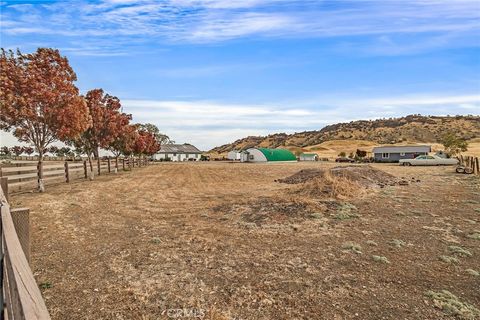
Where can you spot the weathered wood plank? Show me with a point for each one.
(23, 297)
(18, 169)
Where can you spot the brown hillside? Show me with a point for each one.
(409, 129)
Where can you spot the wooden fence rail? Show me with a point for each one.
(21, 298)
(27, 175)
(470, 162)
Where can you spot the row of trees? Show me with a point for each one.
(40, 105)
(53, 150)
(16, 150)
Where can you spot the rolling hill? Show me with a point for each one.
(412, 129)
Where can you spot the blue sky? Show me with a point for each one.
(211, 71)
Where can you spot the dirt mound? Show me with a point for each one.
(302, 176)
(274, 209)
(366, 176)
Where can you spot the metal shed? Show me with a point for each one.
(234, 155)
(308, 157)
(267, 155)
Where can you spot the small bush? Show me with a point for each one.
(448, 259)
(451, 305)
(473, 272)
(459, 251)
(381, 259)
(353, 247)
(471, 201)
(345, 211)
(45, 285)
(372, 243)
(316, 215)
(475, 235)
(397, 243)
(156, 241)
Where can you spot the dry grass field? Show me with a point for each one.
(225, 240)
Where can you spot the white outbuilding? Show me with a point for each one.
(234, 155)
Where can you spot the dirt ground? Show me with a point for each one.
(225, 241)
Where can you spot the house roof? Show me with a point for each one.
(277, 154)
(398, 149)
(178, 148)
(310, 155)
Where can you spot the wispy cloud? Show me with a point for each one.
(207, 21)
(209, 123)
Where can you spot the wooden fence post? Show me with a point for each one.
(108, 162)
(123, 163)
(4, 186)
(85, 171)
(21, 222)
(67, 173)
(98, 165)
(477, 165)
(116, 163)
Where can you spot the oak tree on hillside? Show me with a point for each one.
(38, 99)
(453, 144)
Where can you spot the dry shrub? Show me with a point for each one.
(331, 186)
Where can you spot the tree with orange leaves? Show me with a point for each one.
(145, 143)
(39, 101)
(107, 124)
(124, 143)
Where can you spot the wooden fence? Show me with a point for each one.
(470, 162)
(28, 175)
(21, 298)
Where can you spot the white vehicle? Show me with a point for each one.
(428, 161)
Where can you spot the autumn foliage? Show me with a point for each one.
(38, 98)
(145, 143)
(40, 104)
(107, 122)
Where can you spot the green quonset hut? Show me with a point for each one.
(267, 155)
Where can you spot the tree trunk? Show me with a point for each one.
(89, 155)
(41, 186)
(98, 160)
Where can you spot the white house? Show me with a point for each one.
(178, 152)
(234, 155)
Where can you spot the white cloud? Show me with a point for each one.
(208, 124)
(201, 21)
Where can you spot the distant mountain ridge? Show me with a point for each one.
(408, 129)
